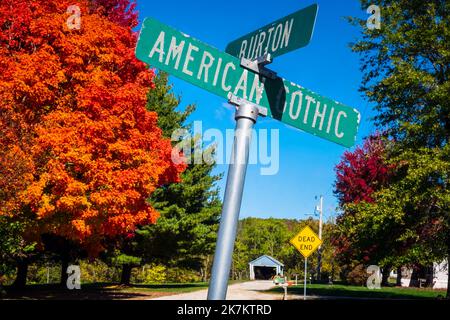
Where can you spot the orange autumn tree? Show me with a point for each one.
(80, 152)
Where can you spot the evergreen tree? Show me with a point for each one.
(185, 232)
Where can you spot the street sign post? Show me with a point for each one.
(306, 242)
(255, 91)
(220, 73)
(284, 35)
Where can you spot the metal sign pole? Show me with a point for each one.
(246, 115)
(304, 284)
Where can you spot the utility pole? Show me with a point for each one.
(319, 255)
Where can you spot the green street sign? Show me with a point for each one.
(191, 60)
(282, 36)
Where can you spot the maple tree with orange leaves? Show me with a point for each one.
(79, 152)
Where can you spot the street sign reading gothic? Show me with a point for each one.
(220, 73)
(242, 78)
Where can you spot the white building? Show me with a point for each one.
(265, 267)
(440, 276)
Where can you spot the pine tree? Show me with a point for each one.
(185, 232)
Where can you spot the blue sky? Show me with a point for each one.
(326, 66)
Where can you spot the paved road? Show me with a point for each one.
(250, 290)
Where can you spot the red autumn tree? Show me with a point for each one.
(361, 172)
(80, 153)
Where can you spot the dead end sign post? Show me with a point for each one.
(306, 242)
(255, 91)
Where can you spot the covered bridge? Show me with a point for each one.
(265, 267)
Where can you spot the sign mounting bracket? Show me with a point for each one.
(258, 66)
(236, 101)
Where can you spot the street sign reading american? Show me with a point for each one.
(191, 60)
(286, 34)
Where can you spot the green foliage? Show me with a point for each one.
(358, 276)
(98, 271)
(406, 76)
(12, 246)
(271, 236)
(150, 274)
(162, 101)
(123, 259)
(406, 72)
(185, 232)
(39, 273)
(182, 275)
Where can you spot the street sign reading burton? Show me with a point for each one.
(191, 60)
(306, 241)
(286, 34)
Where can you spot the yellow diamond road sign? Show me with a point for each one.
(306, 241)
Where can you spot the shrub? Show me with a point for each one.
(181, 275)
(358, 276)
(149, 274)
(98, 271)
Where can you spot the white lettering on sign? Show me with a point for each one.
(189, 58)
(299, 105)
(228, 66)
(257, 88)
(175, 52)
(336, 127)
(295, 105)
(242, 85)
(273, 39)
(308, 104)
(287, 33)
(243, 47)
(204, 66)
(320, 115)
(158, 47)
(277, 37)
(330, 119)
(250, 48)
(268, 40)
(262, 37)
(216, 75)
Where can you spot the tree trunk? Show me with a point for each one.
(399, 277)
(429, 276)
(414, 282)
(21, 277)
(385, 276)
(125, 279)
(202, 274)
(64, 275)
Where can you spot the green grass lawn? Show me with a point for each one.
(340, 290)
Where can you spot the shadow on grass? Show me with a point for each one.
(342, 291)
(172, 285)
(98, 291)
